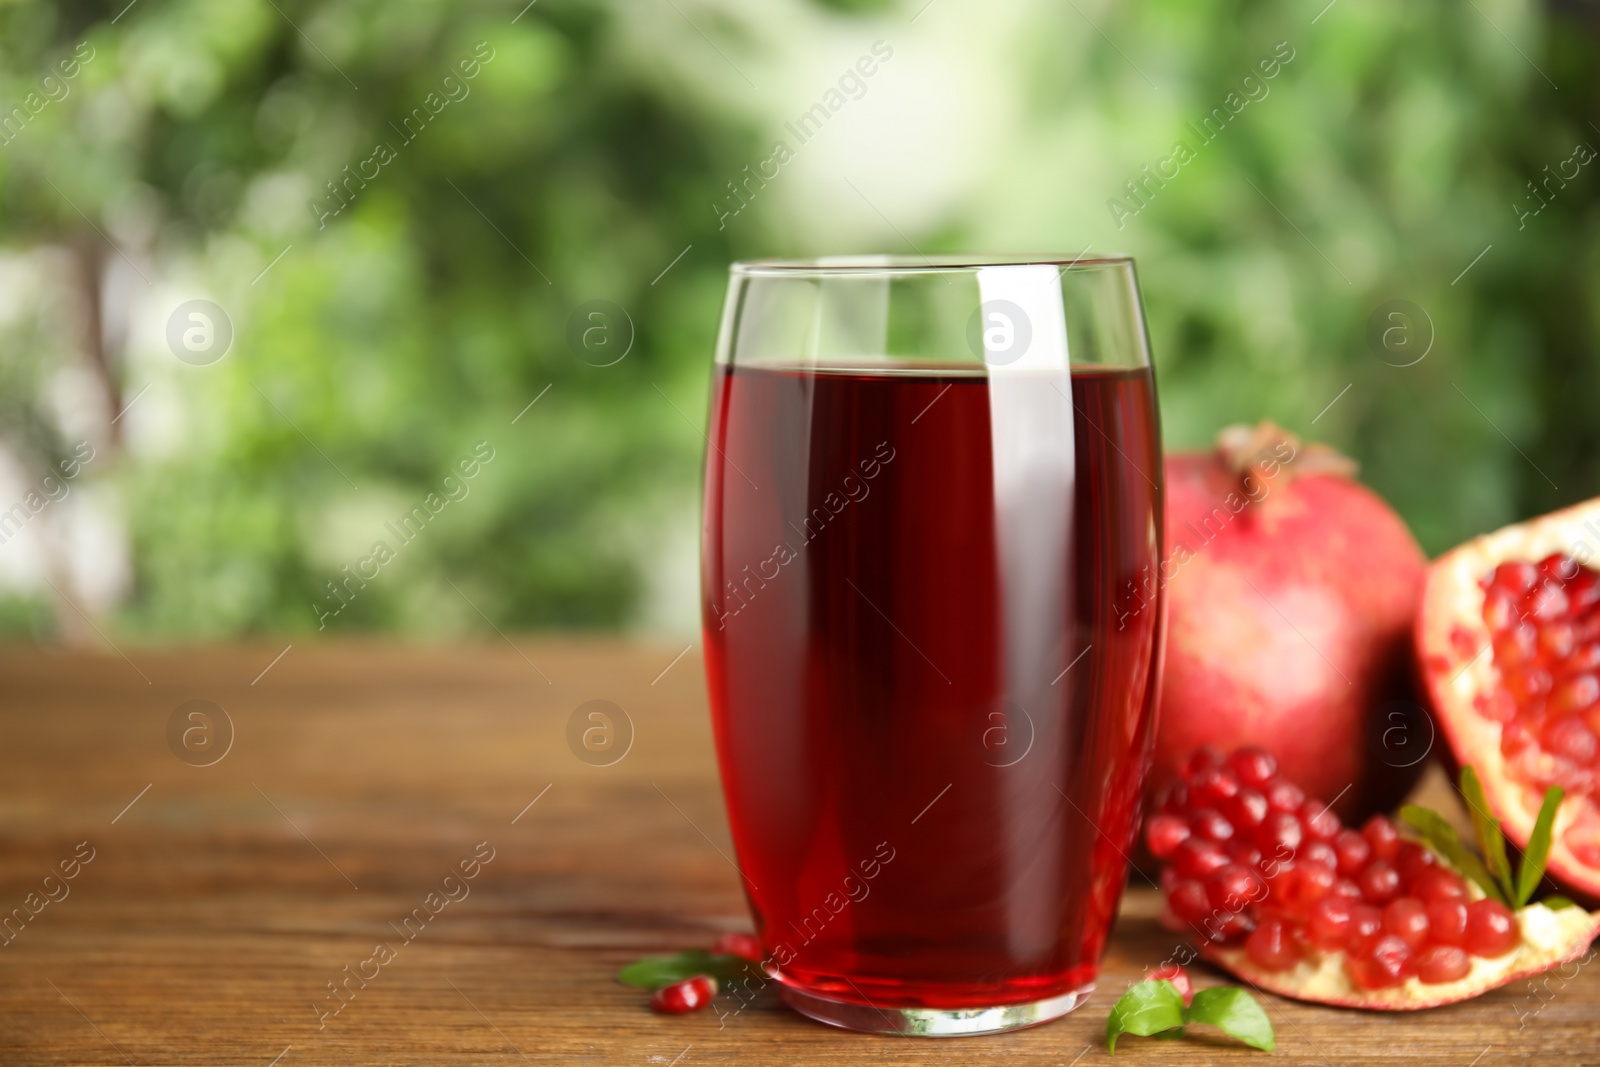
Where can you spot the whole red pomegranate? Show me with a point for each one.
(1291, 591)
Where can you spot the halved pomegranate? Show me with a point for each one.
(1274, 888)
(1508, 640)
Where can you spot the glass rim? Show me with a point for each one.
(899, 264)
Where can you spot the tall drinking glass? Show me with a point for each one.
(931, 489)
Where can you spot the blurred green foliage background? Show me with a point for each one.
(189, 155)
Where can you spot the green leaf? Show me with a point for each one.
(1235, 1013)
(655, 972)
(1442, 836)
(1557, 903)
(1531, 869)
(1491, 841)
(1147, 1008)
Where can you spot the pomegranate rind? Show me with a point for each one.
(1549, 939)
(1453, 650)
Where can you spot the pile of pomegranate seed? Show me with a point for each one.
(1250, 859)
(1544, 620)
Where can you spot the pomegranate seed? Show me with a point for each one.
(1550, 602)
(1407, 919)
(1353, 851)
(1205, 757)
(1230, 927)
(1412, 860)
(1383, 966)
(1515, 738)
(1497, 706)
(1500, 610)
(1516, 645)
(1491, 929)
(1329, 925)
(1164, 833)
(1246, 809)
(1168, 878)
(1280, 833)
(1524, 685)
(1382, 836)
(1447, 922)
(1380, 883)
(1283, 796)
(1346, 889)
(1210, 825)
(1576, 693)
(745, 946)
(1213, 785)
(1271, 947)
(1253, 766)
(1197, 859)
(1436, 883)
(1583, 592)
(1570, 739)
(1556, 640)
(1516, 577)
(1245, 854)
(1438, 964)
(1234, 887)
(1320, 823)
(1366, 926)
(1304, 885)
(691, 994)
(1319, 852)
(1555, 565)
(1176, 798)
(1171, 972)
(1237, 927)
(1189, 902)
(1275, 868)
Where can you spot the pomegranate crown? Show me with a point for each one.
(1246, 449)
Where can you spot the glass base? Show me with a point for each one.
(932, 1022)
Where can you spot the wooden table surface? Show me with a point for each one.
(221, 901)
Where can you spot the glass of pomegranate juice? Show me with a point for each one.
(931, 490)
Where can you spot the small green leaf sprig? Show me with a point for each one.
(657, 972)
(1492, 870)
(1154, 1007)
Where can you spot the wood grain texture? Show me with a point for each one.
(220, 905)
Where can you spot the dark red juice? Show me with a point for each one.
(932, 697)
